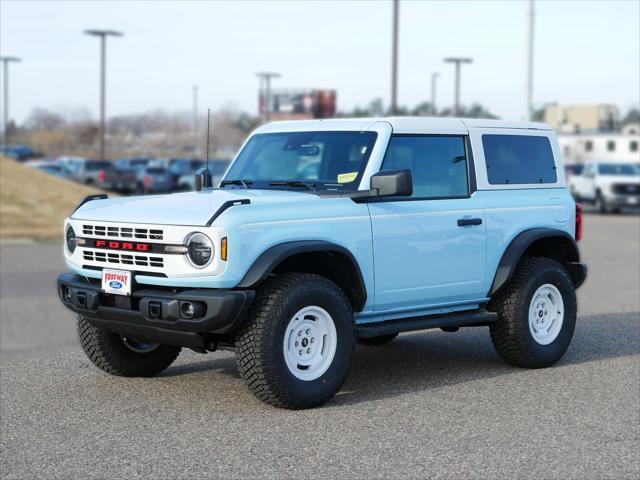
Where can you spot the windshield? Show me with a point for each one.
(323, 160)
(619, 169)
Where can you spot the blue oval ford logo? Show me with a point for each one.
(115, 284)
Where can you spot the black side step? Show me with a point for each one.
(457, 319)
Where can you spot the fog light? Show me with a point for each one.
(188, 310)
(66, 293)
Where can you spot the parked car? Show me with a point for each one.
(327, 233)
(134, 163)
(156, 180)
(50, 167)
(573, 169)
(17, 152)
(179, 166)
(103, 174)
(216, 169)
(610, 186)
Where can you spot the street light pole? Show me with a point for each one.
(457, 61)
(103, 34)
(195, 119)
(5, 115)
(394, 59)
(529, 79)
(265, 78)
(434, 77)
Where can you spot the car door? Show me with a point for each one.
(586, 183)
(429, 248)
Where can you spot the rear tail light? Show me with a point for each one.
(578, 222)
(102, 176)
(146, 181)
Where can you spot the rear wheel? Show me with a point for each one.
(123, 356)
(295, 349)
(379, 340)
(536, 314)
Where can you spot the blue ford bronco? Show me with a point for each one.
(323, 234)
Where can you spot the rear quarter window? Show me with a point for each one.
(518, 159)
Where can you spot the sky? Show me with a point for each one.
(585, 52)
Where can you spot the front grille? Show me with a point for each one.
(123, 259)
(626, 188)
(122, 232)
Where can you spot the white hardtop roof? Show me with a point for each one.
(407, 125)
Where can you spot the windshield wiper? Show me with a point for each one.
(294, 183)
(244, 183)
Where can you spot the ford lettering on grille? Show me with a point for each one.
(114, 245)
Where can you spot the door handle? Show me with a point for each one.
(465, 222)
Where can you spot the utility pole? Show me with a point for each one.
(265, 79)
(457, 61)
(529, 79)
(434, 77)
(393, 108)
(103, 34)
(195, 119)
(5, 115)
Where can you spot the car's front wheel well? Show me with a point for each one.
(335, 266)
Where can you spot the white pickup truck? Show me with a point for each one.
(610, 186)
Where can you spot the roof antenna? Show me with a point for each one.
(207, 175)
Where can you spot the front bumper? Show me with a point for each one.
(156, 315)
(621, 201)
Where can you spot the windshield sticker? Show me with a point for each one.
(347, 177)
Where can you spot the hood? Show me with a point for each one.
(191, 208)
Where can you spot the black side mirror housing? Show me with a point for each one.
(392, 183)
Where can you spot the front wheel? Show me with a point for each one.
(536, 314)
(295, 349)
(122, 356)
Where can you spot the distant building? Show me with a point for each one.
(617, 147)
(582, 118)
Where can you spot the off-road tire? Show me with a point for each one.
(511, 335)
(107, 351)
(379, 340)
(259, 343)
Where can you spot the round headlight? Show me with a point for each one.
(70, 239)
(199, 250)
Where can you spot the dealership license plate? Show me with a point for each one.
(116, 281)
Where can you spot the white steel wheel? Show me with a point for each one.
(546, 314)
(310, 342)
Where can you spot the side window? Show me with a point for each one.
(438, 164)
(518, 159)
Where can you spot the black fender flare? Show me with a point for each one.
(521, 243)
(268, 260)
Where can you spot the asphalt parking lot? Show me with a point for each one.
(429, 404)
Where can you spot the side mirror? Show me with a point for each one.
(390, 183)
(203, 179)
(397, 183)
